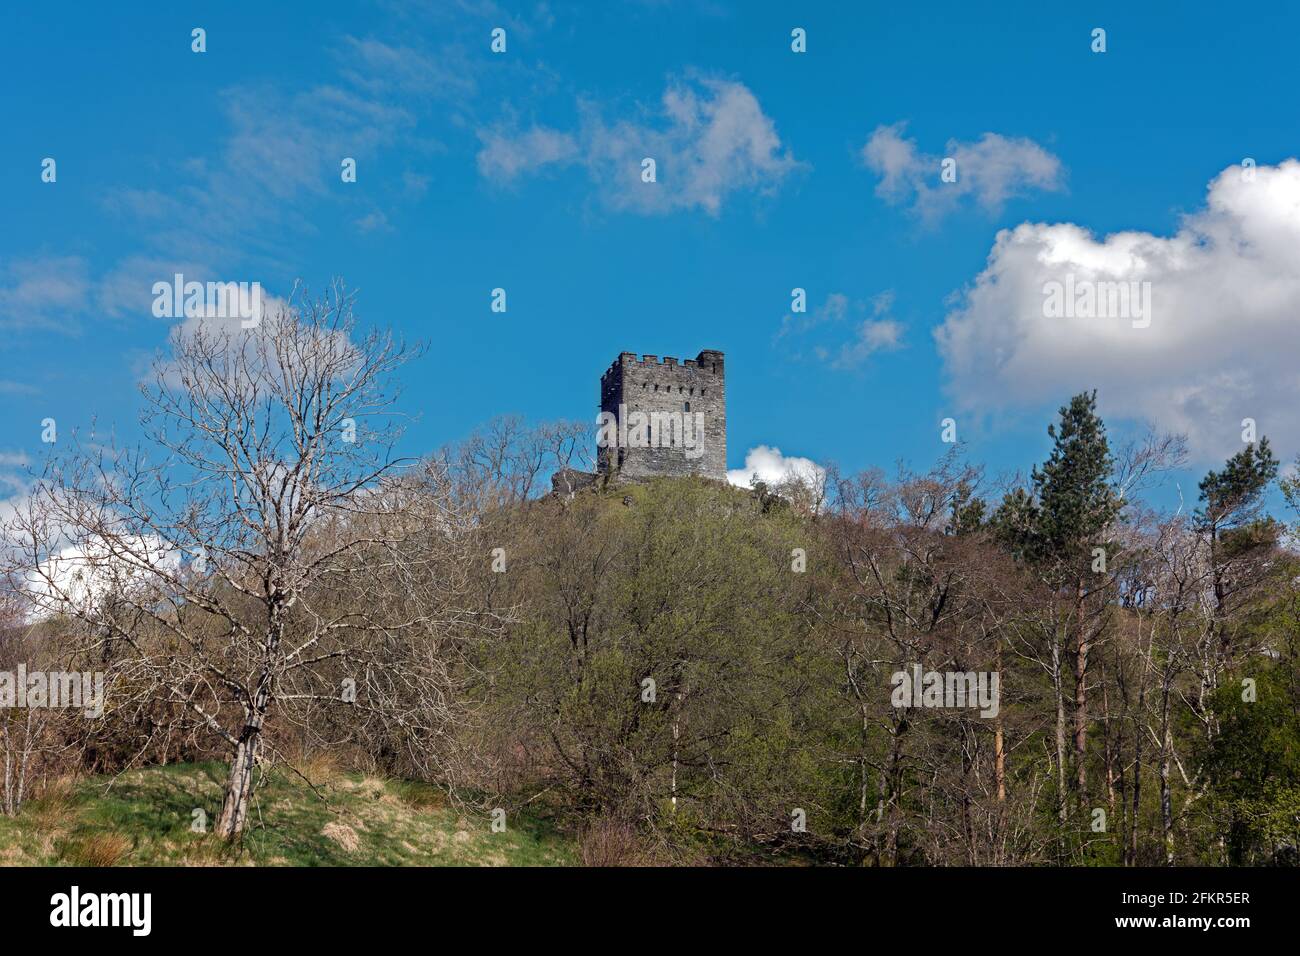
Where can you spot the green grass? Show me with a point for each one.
(144, 819)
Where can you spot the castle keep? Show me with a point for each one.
(665, 396)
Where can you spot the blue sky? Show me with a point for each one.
(520, 170)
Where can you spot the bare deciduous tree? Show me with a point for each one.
(267, 552)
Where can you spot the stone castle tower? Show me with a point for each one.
(691, 396)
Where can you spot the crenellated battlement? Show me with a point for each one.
(709, 361)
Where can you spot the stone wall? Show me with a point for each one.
(653, 386)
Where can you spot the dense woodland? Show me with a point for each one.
(682, 671)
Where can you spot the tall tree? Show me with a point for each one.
(1238, 542)
(262, 551)
(1057, 529)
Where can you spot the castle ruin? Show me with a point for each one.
(667, 393)
(659, 419)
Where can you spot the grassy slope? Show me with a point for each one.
(144, 819)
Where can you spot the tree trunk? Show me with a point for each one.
(890, 778)
(9, 792)
(1060, 729)
(999, 760)
(1137, 766)
(968, 817)
(1107, 745)
(1081, 705)
(239, 783)
(1166, 798)
(999, 749)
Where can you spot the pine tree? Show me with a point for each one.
(1229, 497)
(1076, 502)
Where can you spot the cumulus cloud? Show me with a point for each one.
(83, 569)
(709, 138)
(772, 468)
(80, 576)
(822, 335)
(992, 170)
(1223, 332)
(225, 331)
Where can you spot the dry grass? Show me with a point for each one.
(610, 842)
(320, 768)
(342, 834)
(210, 850)
(54, 808)
(371, 788)
(99, 849)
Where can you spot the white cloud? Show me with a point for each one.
(15, 482)
(709, 138)
(43, 292)
(273, 159)
(126, 290)
(280, 153)
(82, 569)
(373, 221)
(14, 459)
(873, 336)
(507, 155)
(992, 169)
(380, 67)
(834, 309)
(772, 468)
(876, 334)
(1224, 327)
(219, 329)
(80, 576)
(823, 330)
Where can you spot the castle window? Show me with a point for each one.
(688, 406)
(703, 392)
